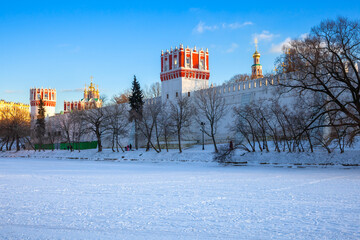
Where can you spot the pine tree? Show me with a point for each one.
(40, 123)
(136, 105)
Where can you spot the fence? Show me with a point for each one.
(66, 146)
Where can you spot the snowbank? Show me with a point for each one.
(195, 154)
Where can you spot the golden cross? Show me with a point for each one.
(256, 43)
(91, 78)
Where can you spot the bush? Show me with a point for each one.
(224, 155)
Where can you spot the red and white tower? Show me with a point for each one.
(256, 68)
(183, 70)
(48, 95)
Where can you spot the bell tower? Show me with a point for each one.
(256, 68)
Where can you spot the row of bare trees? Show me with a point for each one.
(325, 66)
(271, 126)
(322, 70)
(110, 122)
(162, 122)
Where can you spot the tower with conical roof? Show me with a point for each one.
(256, 68)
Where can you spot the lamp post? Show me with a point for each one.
(203, 130)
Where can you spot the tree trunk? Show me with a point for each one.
(118, 144)
(309, 140)
(166, 142)
(98, 136)
(179, 141)
(148, 145)
(11, 144)
(152, 145)
(112, 143)
(136, 135)
(17, 143)
(157, 137)
(214, 142)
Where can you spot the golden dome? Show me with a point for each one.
(256, 54)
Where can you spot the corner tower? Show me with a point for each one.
(256, 68)
(183, 70)
(48, 96)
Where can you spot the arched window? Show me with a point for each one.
(187, 61)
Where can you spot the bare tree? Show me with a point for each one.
(244, 126)
(210, 108)
(153, 94)
(14, 127)
(326, 62)
(52, 129)
(154, 91)
(239, 78)
(181, 111)
(122, 97)
(166, 128)
(78, 129)
(148, 123)
(96, 122)
(65, 125)
(118, 124)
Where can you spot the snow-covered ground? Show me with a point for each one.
(195, 154)
(51, 198)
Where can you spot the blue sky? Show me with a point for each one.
(60, 44)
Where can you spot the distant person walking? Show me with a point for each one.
(231, 146)
(130, 146)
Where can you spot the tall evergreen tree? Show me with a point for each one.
(40, 124)
(136, 105)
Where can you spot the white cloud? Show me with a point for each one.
(265, 36)
(232, 48)
(303, 36)
(202, 27)
(277, 48)
(73, 90)
(11, 91)
(236, 25)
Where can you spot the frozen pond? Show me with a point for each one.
(72, 199)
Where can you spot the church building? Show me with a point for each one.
(91, 99)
